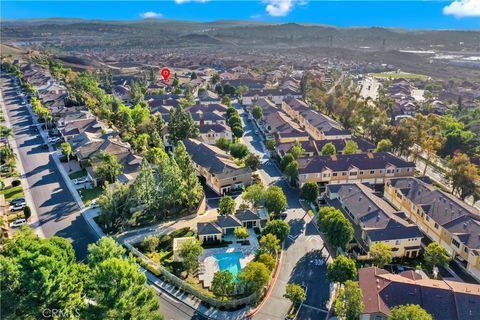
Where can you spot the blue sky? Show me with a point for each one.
(452, 14)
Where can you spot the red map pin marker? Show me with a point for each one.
(165, 73)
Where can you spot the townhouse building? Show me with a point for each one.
(217, 168)
(275, 95)
(443, 299)
(372, 168)
(441, 217)
(318, 125)
(374, 221)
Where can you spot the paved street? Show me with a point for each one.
(304, 256)
(58, 213)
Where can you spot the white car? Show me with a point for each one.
(80, 180)
(53, 139)
(94, 204)
(17, 223)
(18, 206)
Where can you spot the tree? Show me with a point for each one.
(241, 233)
(254, 276)
(328, 149)
(189, 252)
(436, 255)
(226, 205)
(105, 248)
(338, 229)
(66, 150)
(255, 194)
(120, 291)
(409, 312)
(38, 274)
(286, 160)
(27, 212)
(295, 293)
(222, 283)
(297, 150)
(181, 126)
(310, 192)
(241, 90)
(381, 254)
(5, 132)
(237, 130)
(349, 303)
(341, 269)
(384, 145)
(115, 203)
(193, 75)
(351, 147)
(253, 161)
(257, 112)
(150, 243)
(108, 168)
(278, 228)
(223, 143)
(192, 190)
(462, 175)
(226, 101)
(238, 150)
(275, 200)
(270, 244)
(144, 187)
(267, 260)
(291, 171)
(215, 78)
(270, 144)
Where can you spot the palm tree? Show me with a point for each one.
(6, 132)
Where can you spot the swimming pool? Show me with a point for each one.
(229, 261)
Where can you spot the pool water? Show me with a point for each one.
(229, 261)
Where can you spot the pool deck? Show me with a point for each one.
(208, 265)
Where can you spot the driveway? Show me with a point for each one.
(58, 213)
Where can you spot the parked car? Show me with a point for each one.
(17, 200)
(94, 204)
(53, 139)
(80, 180)
(18, 206)
(17, 223)
(283, 215)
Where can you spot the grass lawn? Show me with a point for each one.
(88, 195)
(11, 193)
(395, 75)
(78, 174)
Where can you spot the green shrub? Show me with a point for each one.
(16, 183)
(27, 212)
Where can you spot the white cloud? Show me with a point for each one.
(150, 15)
(463, 8)
(185, 1)
(279, 8)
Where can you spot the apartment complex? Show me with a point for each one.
(217, 167)
(371, 168)
(382, 291)
(442, 217)
(375, 221)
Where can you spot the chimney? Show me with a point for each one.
(334, 157)
(370, 155)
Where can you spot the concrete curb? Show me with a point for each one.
(89, 216)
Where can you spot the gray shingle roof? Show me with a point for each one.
(205, 228)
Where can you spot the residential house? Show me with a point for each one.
(443, 299)
(374, 220)
(74, 128)
(442, 217)
(210, 133)
(371, 168)
(217, 168)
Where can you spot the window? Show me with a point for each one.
(428, 218)
(353, 173)
(334, 174)
(234, 178)
(409, 169)
(397, 242)
(436, 225)
(305, 176)
(344, 173)
(361, 173)
(372, 171)
(398, 170)
(456, 243)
